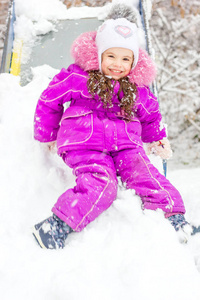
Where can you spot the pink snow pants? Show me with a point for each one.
(96, 185)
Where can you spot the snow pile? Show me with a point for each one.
(54, 10)
(124, 254)
(41, 9)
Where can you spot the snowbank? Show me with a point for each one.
(125, 253)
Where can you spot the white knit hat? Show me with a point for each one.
(117, 33)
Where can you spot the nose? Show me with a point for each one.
(117, 63)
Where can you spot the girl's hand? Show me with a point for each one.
(161, 148)
(52, 146)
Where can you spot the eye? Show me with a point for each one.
(126, 59)
(110, 55)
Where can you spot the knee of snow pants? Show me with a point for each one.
(95, 190)
(155, 190)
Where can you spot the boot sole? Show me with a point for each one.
(37, 238)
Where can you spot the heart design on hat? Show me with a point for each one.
(124, 31)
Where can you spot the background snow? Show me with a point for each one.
(176, 36)
(124, 254)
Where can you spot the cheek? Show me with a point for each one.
(104, 66)
(128, 69)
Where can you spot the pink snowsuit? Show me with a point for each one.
(99, 144)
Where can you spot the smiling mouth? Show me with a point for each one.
(115, 71)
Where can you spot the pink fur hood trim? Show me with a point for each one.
(84, 52)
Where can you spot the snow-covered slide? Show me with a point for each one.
(43, 41)
(47, 41)
(53, 48)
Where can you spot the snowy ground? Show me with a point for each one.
(125, 254)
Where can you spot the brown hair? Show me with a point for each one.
(99, 84)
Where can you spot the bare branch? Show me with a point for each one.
(180, 70)
(194, 124)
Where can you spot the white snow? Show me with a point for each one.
(126, 253)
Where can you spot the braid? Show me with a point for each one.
(127, 103)
(99, 84)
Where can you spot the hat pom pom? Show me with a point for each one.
(121, 10)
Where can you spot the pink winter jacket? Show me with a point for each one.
(78, 127)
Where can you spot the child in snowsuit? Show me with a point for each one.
(100, 136)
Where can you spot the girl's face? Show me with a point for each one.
(117, 62)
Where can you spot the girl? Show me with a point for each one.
(111, 113)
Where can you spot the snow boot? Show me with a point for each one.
(51, 233)
(178, 221)
(183, 228)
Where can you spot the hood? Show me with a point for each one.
(85, 54)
